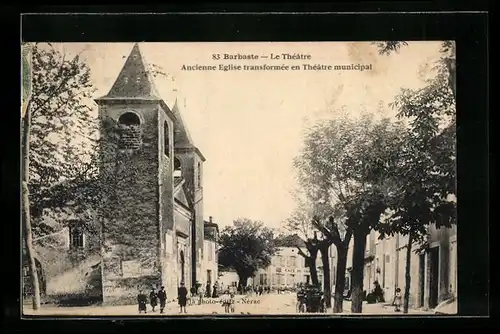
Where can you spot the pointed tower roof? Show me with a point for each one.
(182, 138)
(135, 80)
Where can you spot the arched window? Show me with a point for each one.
(129, 130)
(199, 175)
(166, 139)
(177, 167)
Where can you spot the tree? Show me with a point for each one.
(26, 215)
(300, 222)
(63, 131)
(336, 232)
(427, 160)
(246, 247)
(54, 111)
(346, 162)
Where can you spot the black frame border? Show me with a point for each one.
(470, 30)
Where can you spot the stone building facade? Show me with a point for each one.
(154, 228)
(433, 272)
(288, 269)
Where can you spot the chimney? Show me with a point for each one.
(210, 219)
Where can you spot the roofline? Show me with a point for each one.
(189, 149)
(139, 100)
(179, 186)
(179, 204)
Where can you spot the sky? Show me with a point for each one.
(249, 124)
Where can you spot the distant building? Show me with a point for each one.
(229, 277)
(210, 271)
(288, 267)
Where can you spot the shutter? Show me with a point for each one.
(84, 239)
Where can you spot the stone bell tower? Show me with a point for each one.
(137, 132)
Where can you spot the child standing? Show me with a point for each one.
(226, 300)
(397, 300)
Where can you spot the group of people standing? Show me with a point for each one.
(154, 297)
(160, 297)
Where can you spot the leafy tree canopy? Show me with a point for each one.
(426, 167)
(246, 246)
(62, 130)
(345, 167)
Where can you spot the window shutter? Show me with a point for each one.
(84, 239)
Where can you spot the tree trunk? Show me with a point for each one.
(358, 265)
(407, 274)
(26, 216)
(313, 271)
(340, 278)
(242, 283)
(326, 276)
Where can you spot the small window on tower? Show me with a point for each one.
(129, 130)
(166, 139)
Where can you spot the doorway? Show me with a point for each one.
(421, 280)
(434, 277)
(209, 277)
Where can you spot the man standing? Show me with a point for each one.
(162, 297)
(182, 297)
(153, 298)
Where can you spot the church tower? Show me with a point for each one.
(136, 180)
(189, 161)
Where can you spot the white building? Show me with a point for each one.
(288, 268)
(210, 264)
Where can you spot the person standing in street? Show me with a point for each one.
(182, 294)
(162, 297)
(153, 299)
(142, 300)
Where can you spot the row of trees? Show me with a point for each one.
(354, 171)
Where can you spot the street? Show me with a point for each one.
(267, 304)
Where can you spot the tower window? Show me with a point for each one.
(177, 167)
(166, 139)
(129, 130)
(76, 238)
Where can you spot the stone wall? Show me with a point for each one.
(71, 277)
(131, 235)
